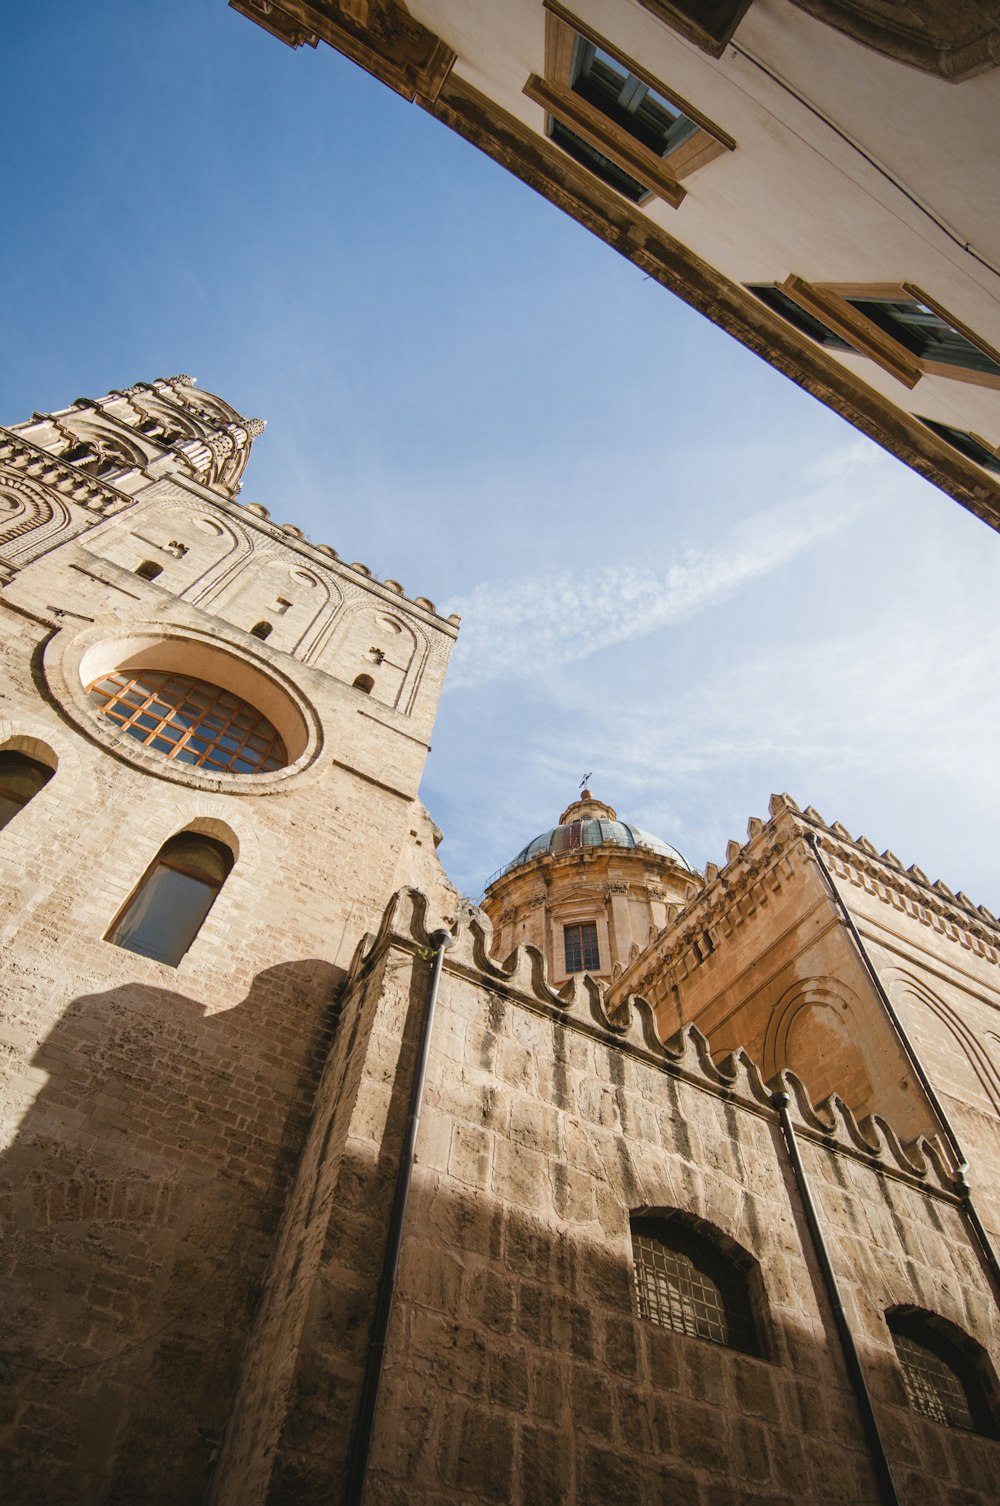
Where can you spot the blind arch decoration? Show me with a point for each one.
(191, 721)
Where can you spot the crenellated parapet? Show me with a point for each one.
(629, 1027)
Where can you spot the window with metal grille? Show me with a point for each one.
(607, 84)
(685, 1282)
(167, 910)
(941, 1378)
(583, 955)
(20, 780)
(189, 720)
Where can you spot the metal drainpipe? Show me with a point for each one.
(852, 1360)
(962, 1165)
(365, 1427)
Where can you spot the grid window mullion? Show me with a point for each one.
(178, 716)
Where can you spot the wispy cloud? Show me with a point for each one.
(514, 629)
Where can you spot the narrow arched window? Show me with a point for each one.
(167, 911)
(261, 630)
(149, 570)
(20, 780)
(685, 1281)
(365, 683)
(942, 1371)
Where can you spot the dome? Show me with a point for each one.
(591, 823)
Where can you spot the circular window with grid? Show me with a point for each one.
(190, 721)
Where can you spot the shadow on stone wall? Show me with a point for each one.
(139, 1202)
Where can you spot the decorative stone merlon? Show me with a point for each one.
(582, 1004)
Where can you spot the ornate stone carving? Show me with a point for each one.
(381, 35)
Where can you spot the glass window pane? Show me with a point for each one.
(234, 736)
(164, 917)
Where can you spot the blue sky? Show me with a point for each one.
(674, 568)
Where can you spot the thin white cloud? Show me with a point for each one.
(518, 628)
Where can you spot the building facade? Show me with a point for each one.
(702, 1202)
(815, 176)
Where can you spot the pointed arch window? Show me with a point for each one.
(942, 1372)
(21, 778)
(168, 909)
(685, 1281)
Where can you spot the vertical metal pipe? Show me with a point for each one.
(852, 1360)
(962, 1165)
(365, 1426)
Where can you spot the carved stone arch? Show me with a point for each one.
(237, 551)
(36, 522)
(169, 415)
(205, 407)
(812, 1031)
(101, 448)
(975, 1052)
(235, 832)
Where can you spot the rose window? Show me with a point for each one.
(190, 721)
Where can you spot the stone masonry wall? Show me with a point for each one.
(518, 1370)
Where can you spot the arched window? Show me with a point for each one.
(685, 1281)
(261, 630)
(189, 720)
(149, 570)
(365, 683)
(942, 1371)
(166, 912)
(20, 780)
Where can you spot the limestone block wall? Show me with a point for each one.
(518, 1369)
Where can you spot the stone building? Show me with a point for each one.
(318, 1187)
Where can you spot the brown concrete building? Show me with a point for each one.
(250, 1090)
(815, 176)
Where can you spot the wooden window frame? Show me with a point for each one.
(827, 301)
(554, 93)
(937, 424)
(579, 926)
(712, 31)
